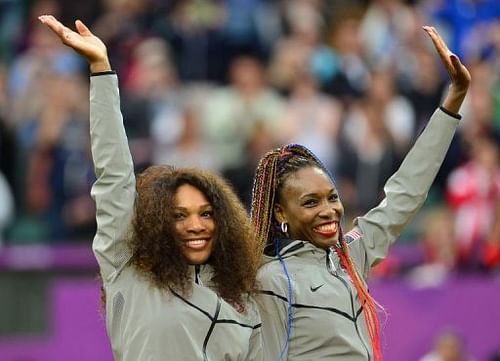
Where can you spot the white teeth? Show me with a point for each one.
(330, 227)
(196, 242)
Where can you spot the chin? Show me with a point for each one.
(195, 259)
(325, 243)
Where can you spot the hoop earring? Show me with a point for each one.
(284, 228)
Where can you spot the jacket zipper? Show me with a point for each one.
(330, 266)
(197, 279)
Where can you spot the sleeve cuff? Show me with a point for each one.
(108, 72)
(451, 114)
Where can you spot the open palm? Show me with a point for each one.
(459, 75)
(84, 42)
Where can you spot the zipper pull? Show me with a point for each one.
(330, 263)
(197, 278)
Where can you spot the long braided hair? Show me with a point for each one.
(272, 172)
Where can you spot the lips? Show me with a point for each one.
(196, 244)
(327, 229)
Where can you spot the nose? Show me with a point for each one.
(329, 211)
(195, 225)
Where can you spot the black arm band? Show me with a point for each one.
(451, 114)
(107, 72)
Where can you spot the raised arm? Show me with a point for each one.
(114, 189)
(406, 190)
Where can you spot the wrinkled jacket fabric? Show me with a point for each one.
(328, 322)
(143, 322)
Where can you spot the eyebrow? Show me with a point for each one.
(333, 190)
(203, 206)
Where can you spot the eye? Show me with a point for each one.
(310, 202)
(207, 214)
(333, 197)
(179, 216)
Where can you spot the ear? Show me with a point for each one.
(279, 213)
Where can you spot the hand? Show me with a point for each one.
(458, 73)
(83, 42)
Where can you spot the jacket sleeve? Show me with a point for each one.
(405, 192)
(114, 189)
(273, 307)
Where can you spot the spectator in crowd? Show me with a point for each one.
(58, 173)
(251, 26)
(439, 249)
(448, 346)
(480, 107)
(351, 74)
(190, 148)
(123, 24)
(312, 118)
(259, 142)
(384, 29)
(42, 52)
(162, 117)
(491, 251)
(152, 100)
(232, 112)
(473, 192)
(425, 86)
(438, 239)
(194, 30)
(12, 22)
(302, 46)
(395, 110)
(369, 155)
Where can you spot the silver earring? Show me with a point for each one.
(284, 228)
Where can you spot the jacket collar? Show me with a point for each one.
(289, 247)
(201, 274)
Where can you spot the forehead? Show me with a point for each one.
(188, 195)
(309, 180)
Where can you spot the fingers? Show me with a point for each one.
(82, 41)
(451, 61)
(444, 53)
(66, 35)
(52, 23)
(82, 28)
(458, 73)
(438, 42)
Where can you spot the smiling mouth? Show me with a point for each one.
(327, 229)
(196, 243)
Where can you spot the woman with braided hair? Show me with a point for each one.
(176, 250)
(314, 301)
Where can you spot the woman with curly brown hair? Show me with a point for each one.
(176, 252)
(314, 301)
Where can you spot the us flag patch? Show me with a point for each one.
(353, 235)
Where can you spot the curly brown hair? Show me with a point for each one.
(156, 251)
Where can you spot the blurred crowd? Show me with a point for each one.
(216, 83)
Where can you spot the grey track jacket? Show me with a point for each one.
(143, 322)
(328, 323)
